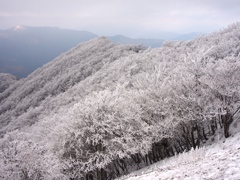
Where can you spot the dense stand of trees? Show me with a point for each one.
(6, 80)
(48, 88)
(138, 109)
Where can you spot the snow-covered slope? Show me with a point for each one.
(59, 82)
(6, 80)
(218, 161)
(102, 110)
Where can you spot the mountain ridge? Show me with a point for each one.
(24, 48)
(147, 42)
(57, 71)
(102, 110)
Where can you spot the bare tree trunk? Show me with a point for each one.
(226, 121)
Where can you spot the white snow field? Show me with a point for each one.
(218, 161)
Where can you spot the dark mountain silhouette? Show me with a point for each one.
(24, 49)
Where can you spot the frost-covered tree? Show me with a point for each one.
(101, 110)
(21, 158)
(6, 80)
(222, 78)
(101, 131)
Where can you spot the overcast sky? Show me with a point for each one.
(134, 18)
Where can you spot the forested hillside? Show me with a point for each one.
(6, 80)
(102, 110)
(60, 82)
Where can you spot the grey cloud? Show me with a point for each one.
(109, 16)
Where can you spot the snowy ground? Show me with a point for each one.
(220, 160)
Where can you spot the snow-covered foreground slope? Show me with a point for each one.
(220, 160)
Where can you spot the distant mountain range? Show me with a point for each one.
(188, 36)
(24, 49)
(141, 41)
